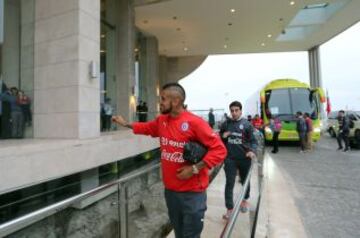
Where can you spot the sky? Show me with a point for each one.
(225, 78)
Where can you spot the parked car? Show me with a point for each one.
(333, 126)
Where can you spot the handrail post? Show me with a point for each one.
(123, 210)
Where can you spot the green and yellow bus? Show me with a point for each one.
(283, 98)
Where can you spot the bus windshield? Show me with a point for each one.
(285, 102)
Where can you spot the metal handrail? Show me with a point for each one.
(232, 219)
(26, 220)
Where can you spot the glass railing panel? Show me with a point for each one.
(17, 203)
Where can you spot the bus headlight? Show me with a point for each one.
(268, 130)
(317, 130)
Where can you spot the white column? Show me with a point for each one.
(151, 75)
(111, 43)
(10, 48)
(125, 59)
(66, 97)
(314, 67)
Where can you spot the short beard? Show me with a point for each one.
(167, 111)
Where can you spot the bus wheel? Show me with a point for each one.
(357, 138)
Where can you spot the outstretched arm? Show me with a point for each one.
(121, 121)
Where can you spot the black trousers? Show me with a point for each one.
(343, 136)
(186, 212)
(231, 166)
(302, 137)
(275, 140)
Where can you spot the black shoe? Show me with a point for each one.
(340, 148)
(274, 151)
(346, 149)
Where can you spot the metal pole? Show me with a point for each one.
(123, 209)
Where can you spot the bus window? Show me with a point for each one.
(277, 102)
(303, 101)
(286, 102)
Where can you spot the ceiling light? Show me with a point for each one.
(316, 5)
(225, 46)
(102, 51)
(269, 35)
(186, 49)
(102, 35)
(262, 44)
(292, 3)
(136, 50)
(232, 10)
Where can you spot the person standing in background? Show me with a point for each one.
(309, 130)
(211, 118)
(344, 130)
(108, 110)
(301, 130)
(257, 122)
(17, 117)
(275, 126)
(25, 104)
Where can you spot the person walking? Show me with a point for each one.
(238, 136)
(211, 118)
(344, 130)
(185, 183)
(301, 130)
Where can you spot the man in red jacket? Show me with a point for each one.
(185, 184)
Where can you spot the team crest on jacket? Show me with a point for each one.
(184, 126)
(241, 126)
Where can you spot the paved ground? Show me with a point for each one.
(326, 188)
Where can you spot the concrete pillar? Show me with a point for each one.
(162, 70)
(125, 59)
(111, 40)
(149, 75)
(314, 67)
(66, 97)
(27, 30)
(11, 49)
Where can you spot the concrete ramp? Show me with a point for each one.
(278, 215)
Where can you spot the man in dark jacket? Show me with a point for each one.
(211, 118)
(238, 135)
(344, 129)
(17, 118)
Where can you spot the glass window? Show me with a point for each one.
(303, 100)
(286, 102)
(278, 102)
